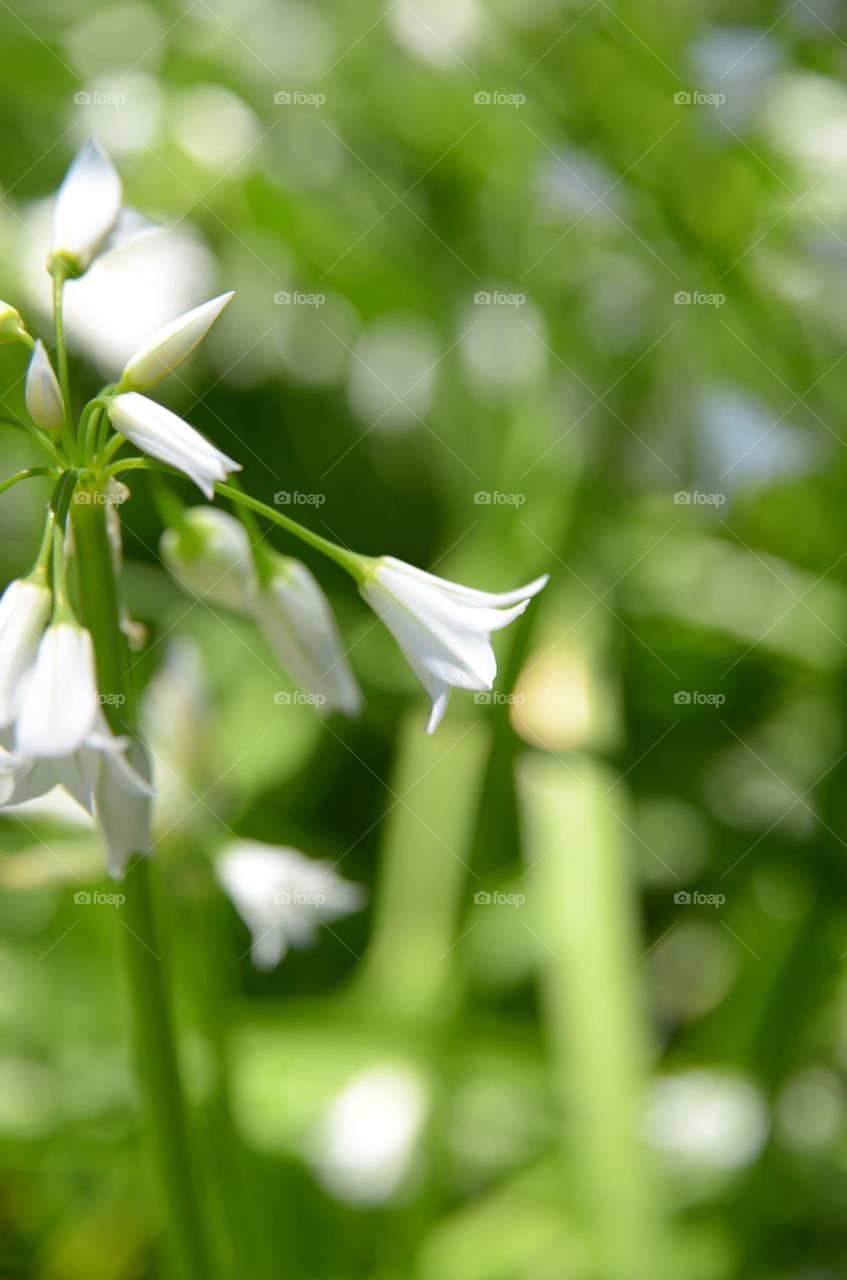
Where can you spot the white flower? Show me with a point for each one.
(61, 738)
(167, 349)
(88, 206)
(209, 555)
(165, 436)
(97, 774)
(282, 896)
(43, 394)
(58, 702)
(297, 622)
(443, 629)
(123, 806)
(24, 610)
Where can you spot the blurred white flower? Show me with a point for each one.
(88, 205)
(43, 394)
(297, 622)
(123, 808)
(365, 1144)
(173, 344)
(444, 629)
(209, 555)
(707, 1120)
(167, 437)
(282, 896)
(24, 610)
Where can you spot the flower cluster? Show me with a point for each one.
(60, 627)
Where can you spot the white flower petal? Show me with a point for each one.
(24, 610)
(282, 896)
(122, 800)
(43, 394)
(444, 629)
(298, 624)
(58, 704)
(173, 344)
(167, 437)
(87, 208)
(210, 557)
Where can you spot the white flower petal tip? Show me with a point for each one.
(210, 557)
(88, 205)
(283, 896)
(43, 394)
(58, 702)
(173, 344)
(24, 610)
(443, 628)
(165, 436)
(296, 619)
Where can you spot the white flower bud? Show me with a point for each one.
(167, 349)
(43, 393)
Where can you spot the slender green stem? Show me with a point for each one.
(146, 958)
(349, 560)
(25, 475)
(62, 359)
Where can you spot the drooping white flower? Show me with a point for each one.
(282, 896)
(167, 437)
(167, 349)
(297, 622)
(24, 610)
(123, 808)
(96, 774)
(88, 206)
(43, 394)
(58, 702)
(209, 555)
(444, 629)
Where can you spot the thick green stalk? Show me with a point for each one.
(146, 959)
(62, 360)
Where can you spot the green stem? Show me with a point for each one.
(25, 475)
(349, 560)
(62, 360)
(145, 955)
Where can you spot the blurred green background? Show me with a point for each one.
(522, 286)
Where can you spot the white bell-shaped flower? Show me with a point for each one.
(283, 896)
(58, 703)
(87, 210)
(444, 629)
(42, 393)
(297, 622)
(167, 437)
(24, 610)
(173, 344)
(209, 555)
